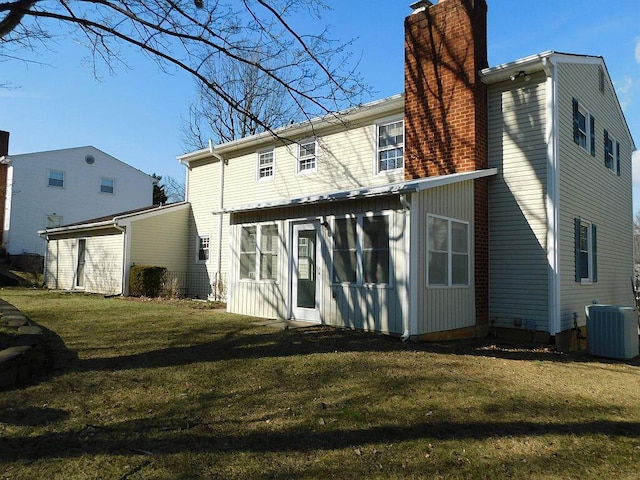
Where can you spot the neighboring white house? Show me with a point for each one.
(499, 201)
(49, 189)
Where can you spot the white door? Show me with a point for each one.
(305, 272)
(82, 250)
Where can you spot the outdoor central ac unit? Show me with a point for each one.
(612, 331)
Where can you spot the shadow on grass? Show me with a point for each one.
(137, 436)
(320, 339)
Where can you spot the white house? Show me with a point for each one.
(480, 200)
(49, 189)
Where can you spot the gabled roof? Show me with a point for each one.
(399, 188)
(115, 220)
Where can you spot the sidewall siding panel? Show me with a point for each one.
(596, 194)
(518, 265)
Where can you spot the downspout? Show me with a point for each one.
(409, 294)
(553, 195)
(125, 259)
(220, 214)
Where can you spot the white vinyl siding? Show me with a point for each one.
(582, 182)
(160, 240)
(344, 162)
(102, 268)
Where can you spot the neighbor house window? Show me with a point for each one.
(447, 252)
(611, 153)
(259, 252)
(307, 156)
(586, 265)
(390, 146)
(54, 221)
(361, 250)
(106, 185)
(56, 178)
(584, 128)
(265, 164)
(204, 248)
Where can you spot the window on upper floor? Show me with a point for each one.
(259, 245)
(307, 161)
(611, 153)
(586, 265)
(203, 248)
(448, 252)
(361, 250)
(266, 164)
(56, 179)
(390, 145)
(584, 127)
(106, 185)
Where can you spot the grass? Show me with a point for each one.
(174, 390)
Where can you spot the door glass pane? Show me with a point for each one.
(306, 269)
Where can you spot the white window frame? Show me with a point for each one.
(360, 250)
(260, 252)
(49, 178)
(267, 167)
(378, 150)
(304, 157)
(206, 241)
(113, 185)
(589, 250)
(587, 128)
(449, 251)
(612, 154)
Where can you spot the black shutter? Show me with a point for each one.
(593, 135)
(594, 250)
(576, 222)
(618, 158)
(576, 135)
(607, 163)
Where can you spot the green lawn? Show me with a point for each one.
(160, 390)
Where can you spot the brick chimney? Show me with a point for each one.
(445, 101)
(445, 117)
(4, 150)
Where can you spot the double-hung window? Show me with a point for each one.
(204, 248)
(307, 161)
(266, 164)
(361, 250)
(447, 252)
(390, 145)
(611, 153)
(584, 128)
(586, 260)
(56, 179)
(259, 245)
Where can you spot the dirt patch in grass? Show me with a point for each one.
(154, 389)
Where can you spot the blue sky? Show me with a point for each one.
(138, 113)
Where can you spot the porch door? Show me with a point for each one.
(305, 274)
(82, 249)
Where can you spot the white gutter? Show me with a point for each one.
(409, 289)
(553, 194)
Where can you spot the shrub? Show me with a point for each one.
(146, 280)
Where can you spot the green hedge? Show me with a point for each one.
(146, 280)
